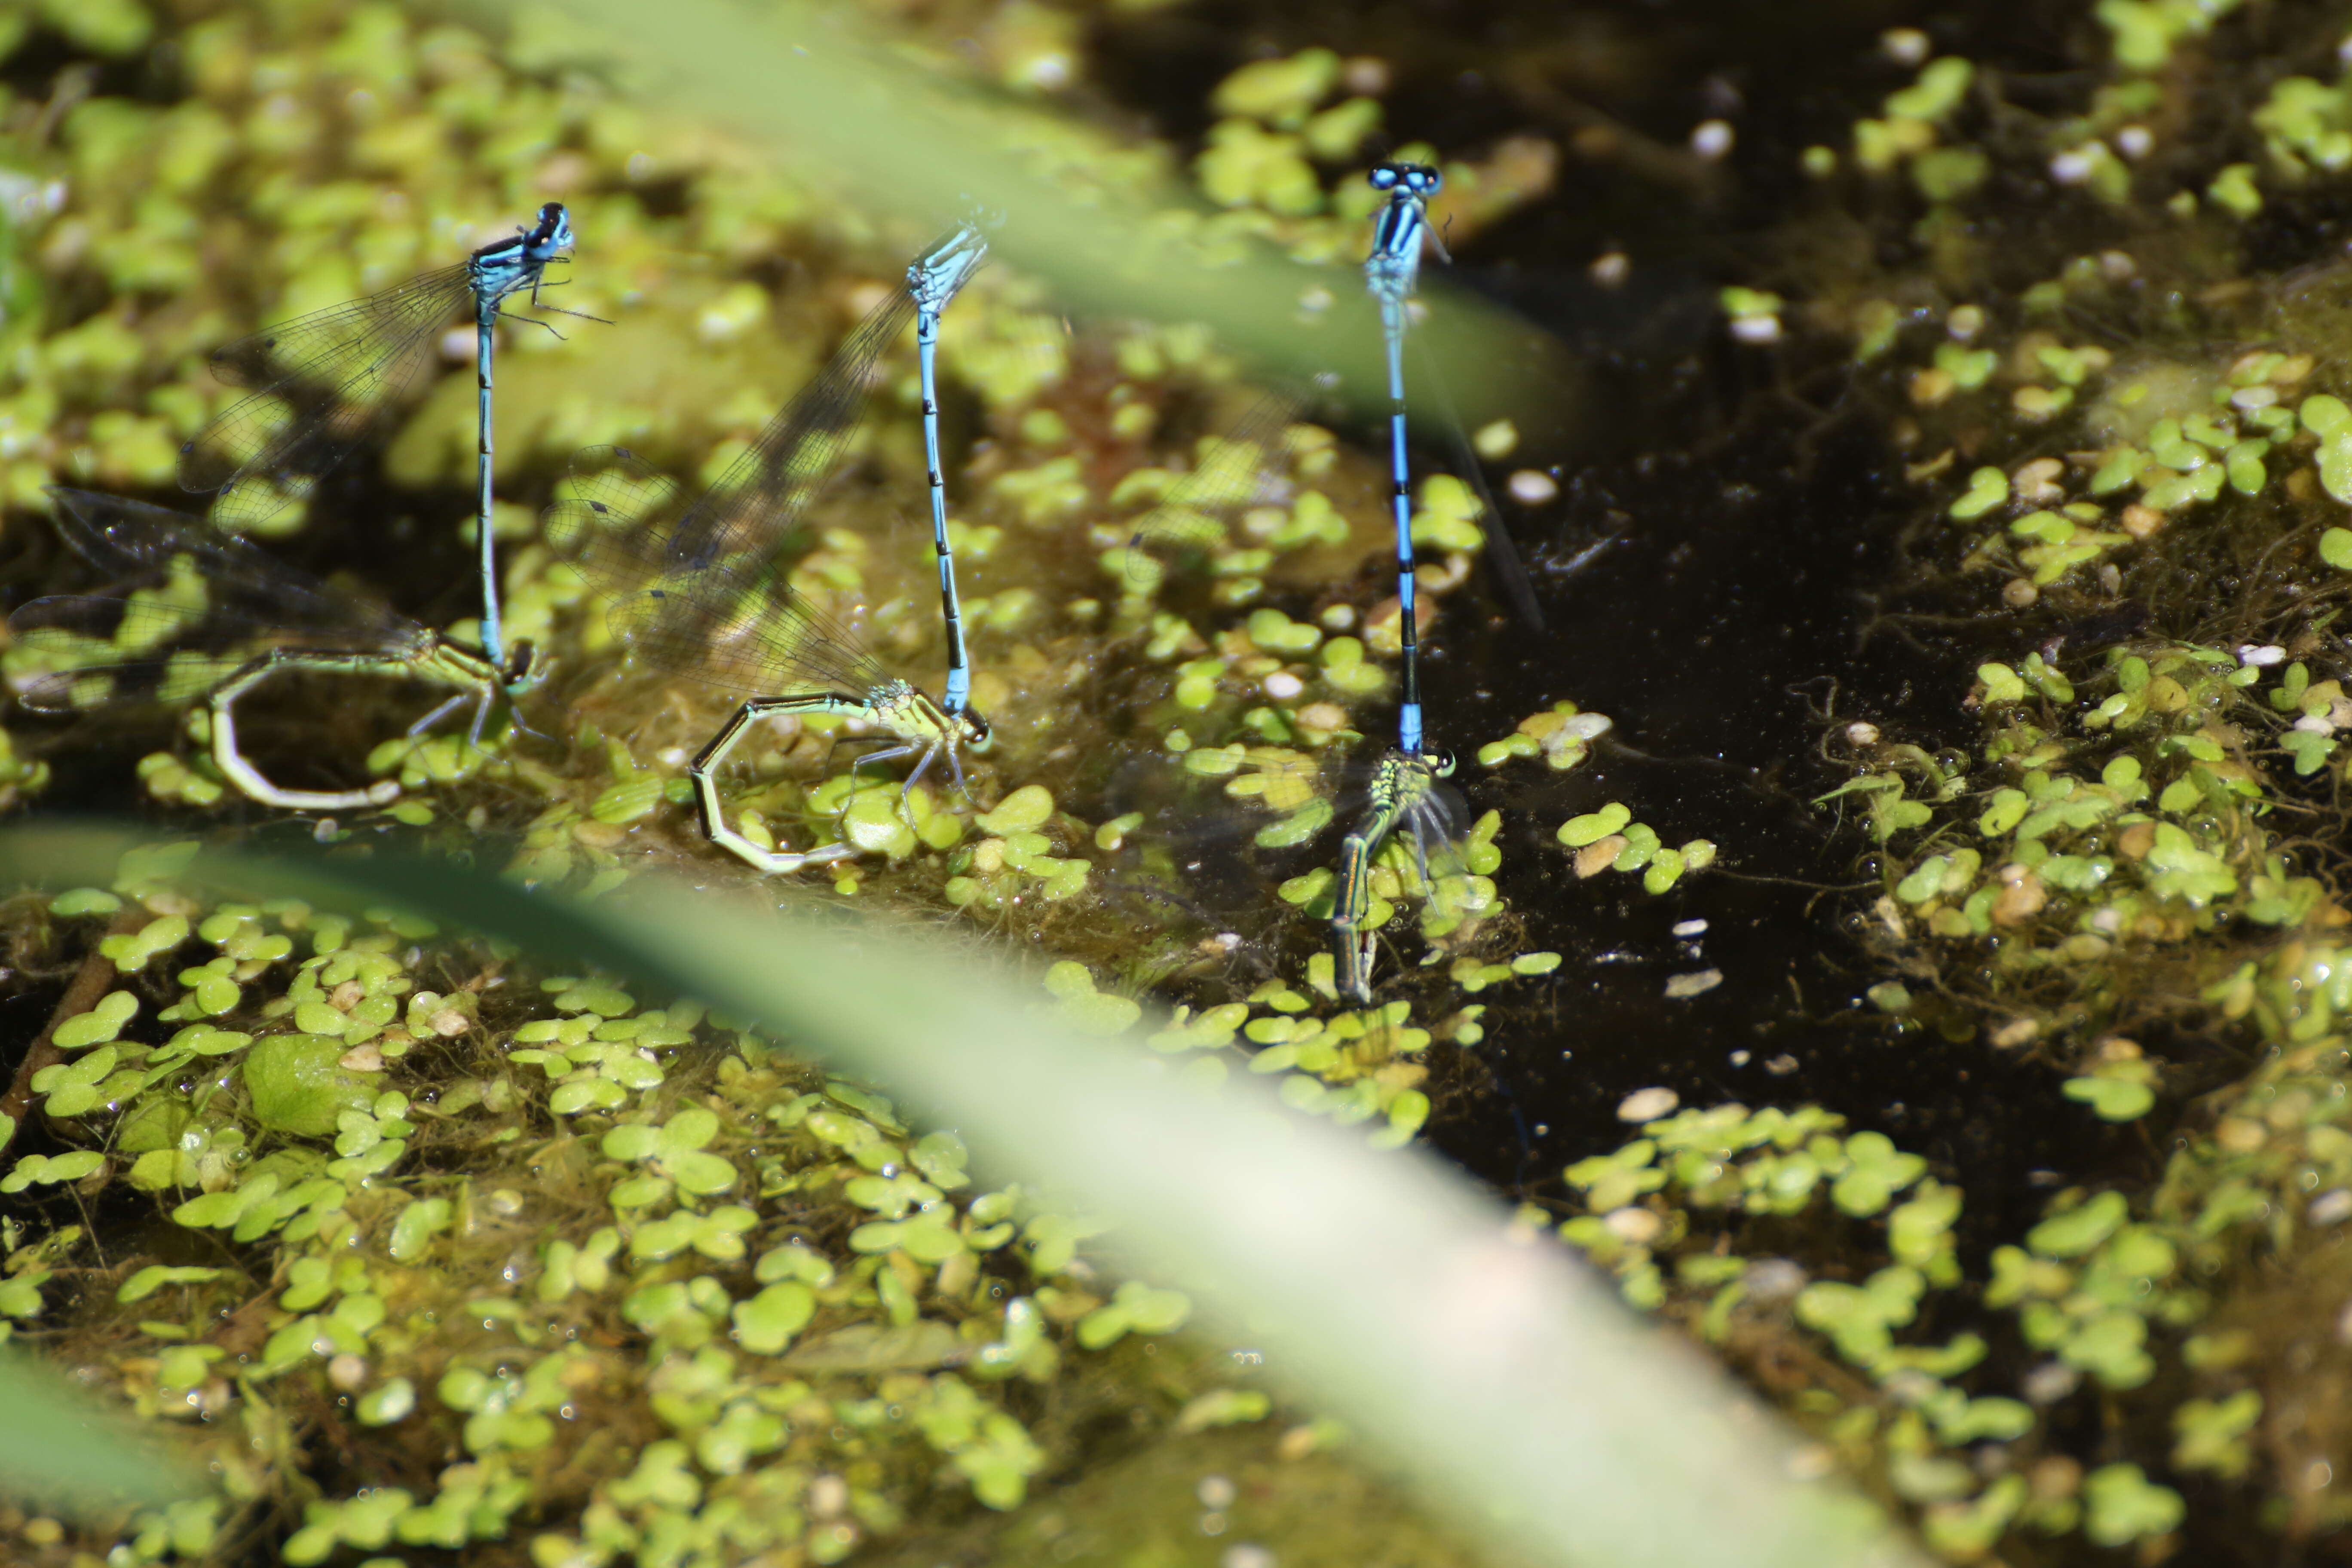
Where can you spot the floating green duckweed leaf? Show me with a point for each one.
(2124, 1506)
(156, 1275)
(1593, 826)
(418, 1224)
(2210, 1435)
(390, 1400)
(102, 1023)
(2079, 1230)
(133, 951)
(1025, 810)
(295, 1084)
(1135, 1308)
(766, 1324)
(2110, 1099)
(52, 1170)
(1987, 488)
(73, 1088)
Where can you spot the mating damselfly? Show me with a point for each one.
(1251, 496)
(731, 619)
(320, 385)
(750, 512)
(1405, 794)
(1401, 806)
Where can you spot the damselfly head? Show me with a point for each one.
(1417, 180)
(1439, 763)
(936, 276)
(977, 734)
(553, 234)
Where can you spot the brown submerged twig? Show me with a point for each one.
(91, 982)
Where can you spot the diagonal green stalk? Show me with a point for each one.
(62, 1451)
(847, 109)
(1507, 1380)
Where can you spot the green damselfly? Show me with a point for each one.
(731, 619)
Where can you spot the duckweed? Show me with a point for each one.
(791, 1317)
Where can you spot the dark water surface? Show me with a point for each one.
(1758, 505)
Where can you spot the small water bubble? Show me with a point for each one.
(1647, 1104)
(2072, 168)
(1904, 45)
(1530, 487)
(1683, 987)
(1773, 1281)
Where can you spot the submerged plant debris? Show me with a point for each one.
(428, 1247)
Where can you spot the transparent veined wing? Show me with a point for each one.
(754, 507)
(615, 519)
(319, 384)
(733, 622)
(1502, 554)
(1249, 487)
(203, 603)
(245, 584)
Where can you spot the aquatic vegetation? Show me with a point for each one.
(789, 1258)
(458, 1210)
(447, 1203)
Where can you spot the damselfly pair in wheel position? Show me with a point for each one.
(1403, 791)
(700, 591)
(217, 615)
(698, 586)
